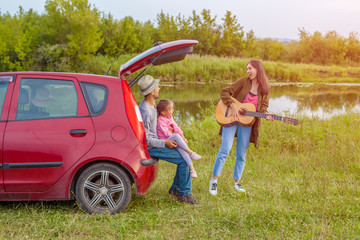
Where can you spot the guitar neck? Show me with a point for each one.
(262, 115)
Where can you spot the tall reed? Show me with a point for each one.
(212, 69)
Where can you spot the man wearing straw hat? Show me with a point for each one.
(160, 148)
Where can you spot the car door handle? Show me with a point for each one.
(78, 132)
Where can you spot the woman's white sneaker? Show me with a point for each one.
(238, 187)
(213, 188)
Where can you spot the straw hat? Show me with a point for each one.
(147, 84)
(42, 98)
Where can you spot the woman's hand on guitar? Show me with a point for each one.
(234, 112)
(269, 116)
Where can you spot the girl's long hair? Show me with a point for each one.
(264, 85)
(163, 105)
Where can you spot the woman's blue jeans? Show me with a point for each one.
(242, 144)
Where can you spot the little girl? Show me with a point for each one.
(167, 129)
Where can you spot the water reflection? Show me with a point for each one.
(320, 100)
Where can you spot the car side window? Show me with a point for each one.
(4, 83)
(96, 97)
(46, 98)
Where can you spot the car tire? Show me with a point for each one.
(103, 188)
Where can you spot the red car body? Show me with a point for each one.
(93, 123)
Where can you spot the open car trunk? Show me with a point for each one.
(157, 55)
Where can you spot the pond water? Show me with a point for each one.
(312, 100)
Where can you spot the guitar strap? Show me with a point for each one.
(227, 111)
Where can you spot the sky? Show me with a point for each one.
(267, 18)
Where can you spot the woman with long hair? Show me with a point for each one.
(253, 89)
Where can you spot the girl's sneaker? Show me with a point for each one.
(193, 173)
(238, 187)
(195, 156)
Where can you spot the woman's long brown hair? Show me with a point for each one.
(264, 85)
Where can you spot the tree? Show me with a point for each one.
(232, 42)
(111, 35)
(167, 29)
(271, 49)
(75, 24)
(18, 39)
(125, 36)
(252, 48)
(146, 35)
(195, 22)
(337, 47)
(353, 47)
(184, 26)
(210, 33)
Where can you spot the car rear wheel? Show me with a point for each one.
(103, 188)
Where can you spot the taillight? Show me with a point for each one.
(133, 113)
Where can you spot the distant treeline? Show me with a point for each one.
(70, 32)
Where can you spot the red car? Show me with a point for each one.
(68, 135)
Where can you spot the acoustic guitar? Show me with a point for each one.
(247, 115)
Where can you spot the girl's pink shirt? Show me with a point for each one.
(163, 125)
(251, 98)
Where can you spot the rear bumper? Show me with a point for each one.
(145, 170)
(145, 177)
(149, 162)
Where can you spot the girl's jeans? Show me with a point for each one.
(181, 146)
(242, 144)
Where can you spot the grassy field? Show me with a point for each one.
(196, 68)
(303, 183)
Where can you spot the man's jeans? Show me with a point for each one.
(242, 144)
(182, 180)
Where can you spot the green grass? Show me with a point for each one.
(303, 183)
(211, 69)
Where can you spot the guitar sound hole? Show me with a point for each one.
(242, 111)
